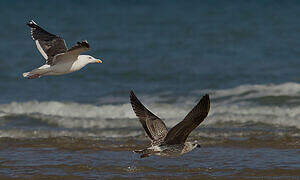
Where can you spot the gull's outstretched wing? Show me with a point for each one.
(153, 125)
(80, 47)
(179, 133)
(72, 53)
(48, 44)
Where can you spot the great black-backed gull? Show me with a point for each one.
(59, 59)
(173, 142)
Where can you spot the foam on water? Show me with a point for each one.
(55, 108)
(42, 133)
(230, 105)
(244, 92)
(284, 116)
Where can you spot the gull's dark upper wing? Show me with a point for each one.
(48, 44)
(179, 133)
(74, 51)
(153, 125)
(80, 47)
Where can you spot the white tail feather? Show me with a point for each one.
(38, 71)
(26, 74)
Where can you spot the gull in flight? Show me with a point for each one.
(59, 59)
(173, 142)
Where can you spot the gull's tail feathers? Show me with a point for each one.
(37, 73)
(31, 75)
(26, 74)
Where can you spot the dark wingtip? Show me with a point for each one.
(205, 103)
(31, 24)
(206, 97)
(84, 44)
(132, 95)
(133, 98)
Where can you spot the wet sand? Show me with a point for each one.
(81, 158)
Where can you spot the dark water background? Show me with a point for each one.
(245, 54)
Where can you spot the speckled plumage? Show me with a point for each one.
(173, 142)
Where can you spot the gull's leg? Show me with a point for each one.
(139, 151)
(35, 76)
(146, 155)
(38, 72)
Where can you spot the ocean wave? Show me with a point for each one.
(246, 92)
(230, 105)
(202, 133)
(262, 90)
(43, 133)
(62, 109)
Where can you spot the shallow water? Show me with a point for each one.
(171, 53)
(95, 158)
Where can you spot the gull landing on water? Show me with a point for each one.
(173, 142)
(59, 59)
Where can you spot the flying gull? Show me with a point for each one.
(59, 59)
(173, 142)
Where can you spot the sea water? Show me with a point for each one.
(244, 54)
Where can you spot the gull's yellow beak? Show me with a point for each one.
(99, 61)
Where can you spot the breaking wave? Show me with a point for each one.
(276, 105)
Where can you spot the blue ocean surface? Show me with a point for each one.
(244, 54)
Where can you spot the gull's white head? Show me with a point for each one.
(89, 59)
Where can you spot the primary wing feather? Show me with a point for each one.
(80, 47)
(179, 133)
(48, 44)
(153, 125)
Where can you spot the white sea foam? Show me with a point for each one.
(21, 133)
(75, 110)
(255, 91)
(233, 107)
(262, 90)
(283, 116)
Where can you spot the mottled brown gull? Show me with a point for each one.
(173, 142)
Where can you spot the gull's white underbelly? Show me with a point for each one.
(65, 68)
(157, 148)
(170, 150)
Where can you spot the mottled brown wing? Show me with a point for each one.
(153, 125)
(48, 44)
(156, 127)
(179, 133)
